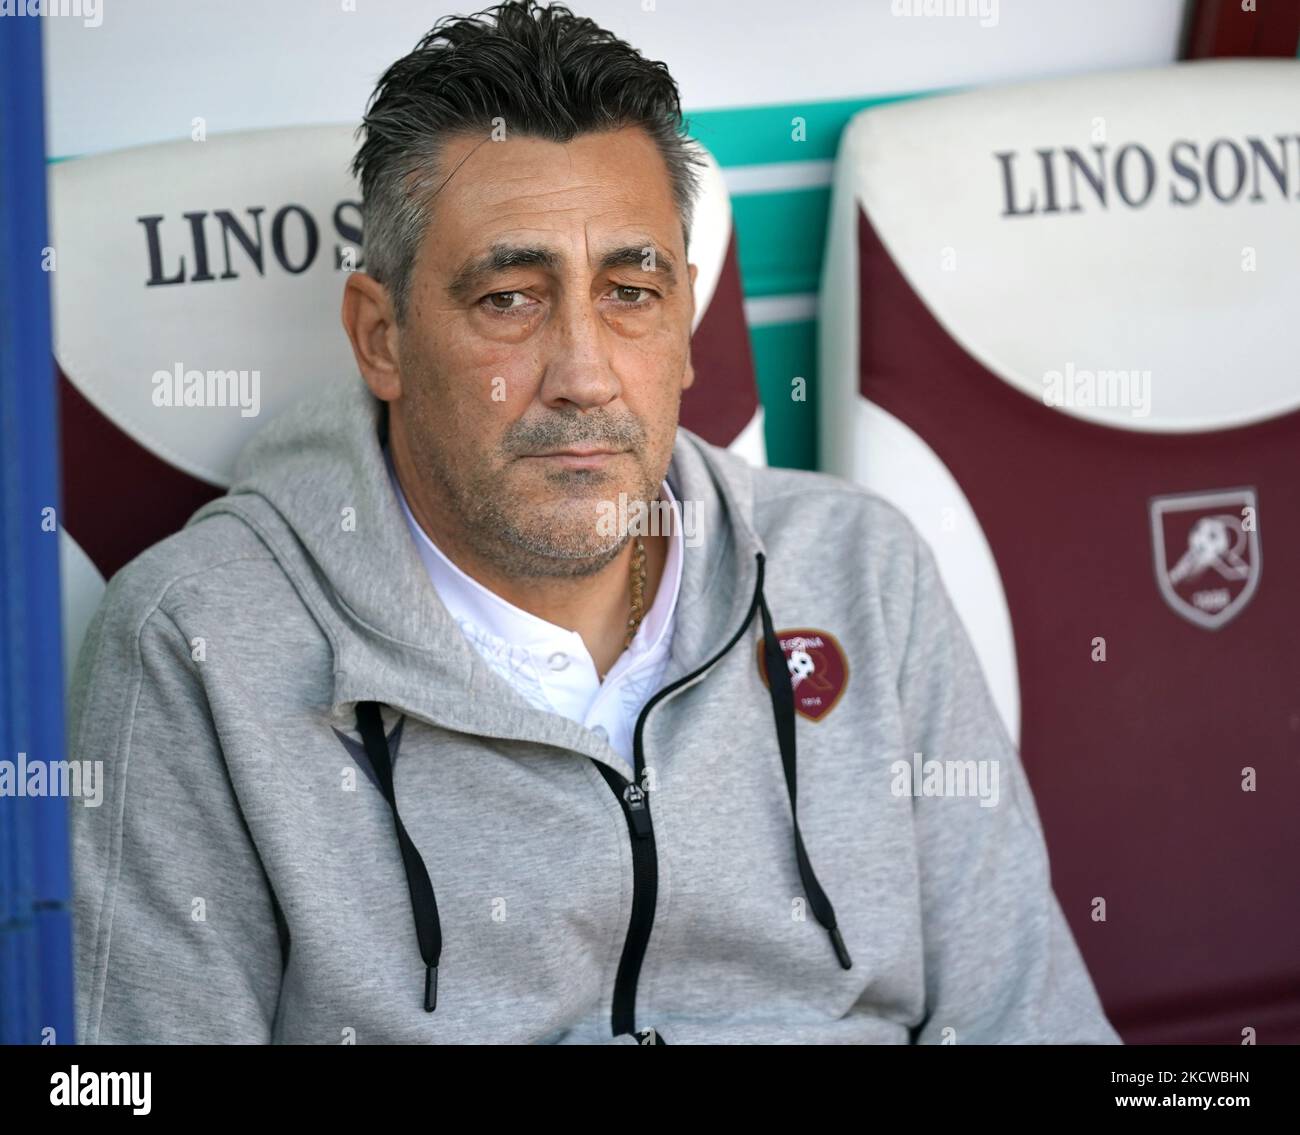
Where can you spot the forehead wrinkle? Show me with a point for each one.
(532, 193)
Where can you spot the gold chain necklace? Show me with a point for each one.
(637, 612)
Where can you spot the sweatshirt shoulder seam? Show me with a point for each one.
(106, 904)
(915, 603)
(95, 1007)
(177, 579)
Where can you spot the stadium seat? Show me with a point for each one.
(1057, 332)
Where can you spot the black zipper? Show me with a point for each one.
(645, 860)
(645, 890)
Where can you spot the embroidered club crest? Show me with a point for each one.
(1207, 553)
(819, 670)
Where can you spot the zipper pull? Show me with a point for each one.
(634, 798)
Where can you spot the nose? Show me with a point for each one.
(578, 364)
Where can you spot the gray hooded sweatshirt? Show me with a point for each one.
(327, 820)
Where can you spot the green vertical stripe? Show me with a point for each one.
(783, 352)
(782, 237)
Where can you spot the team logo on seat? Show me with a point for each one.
(1207, 553)
(818, 670)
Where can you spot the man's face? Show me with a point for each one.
(550, 310)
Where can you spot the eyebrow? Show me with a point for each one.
(502, 257)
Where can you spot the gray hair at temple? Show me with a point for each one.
(543, 71)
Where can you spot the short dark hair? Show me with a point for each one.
(544, 72)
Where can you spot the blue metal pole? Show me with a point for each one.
(36, 979)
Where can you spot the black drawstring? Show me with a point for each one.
(427, 926)
(782, 693)
(423, 902)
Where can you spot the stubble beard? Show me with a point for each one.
(528, 540)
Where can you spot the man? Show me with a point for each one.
(421, 735)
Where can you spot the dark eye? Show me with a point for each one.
(492, 299)
(622, 290)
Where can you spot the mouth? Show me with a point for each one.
(577, 457)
